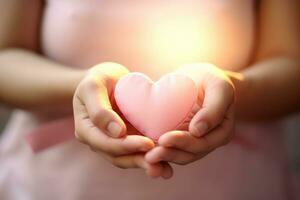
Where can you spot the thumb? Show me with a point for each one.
(218, 97)
(95, 97)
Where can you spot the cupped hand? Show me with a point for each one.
(211, 127)
(100, 127)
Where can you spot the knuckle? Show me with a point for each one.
(99, 116)
(78, 136)
(117, 163)
(89, 84)
(112, 151)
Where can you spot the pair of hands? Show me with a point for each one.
(98, 125)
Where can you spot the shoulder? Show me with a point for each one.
(278, 28)
(19, 23)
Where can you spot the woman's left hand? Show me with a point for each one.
(210, 128)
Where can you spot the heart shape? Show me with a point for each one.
(154, 108)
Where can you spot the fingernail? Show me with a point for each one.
(201, 129)
(114, 129)
(167, 175)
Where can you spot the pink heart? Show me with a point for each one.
(155, 108)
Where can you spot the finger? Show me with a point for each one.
(99, 141)
(95, 96)
(160, 169)
(218, 97)
(224, 133)
(183, 140)
(176, 156)
(167, 171)
(137, 161)
(129, 144)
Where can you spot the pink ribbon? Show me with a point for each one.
(51, 134)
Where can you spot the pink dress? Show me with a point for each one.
(83, 33)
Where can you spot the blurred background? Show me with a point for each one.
(4, 116)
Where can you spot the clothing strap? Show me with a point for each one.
(50, 134)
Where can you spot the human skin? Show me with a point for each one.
(273, 74)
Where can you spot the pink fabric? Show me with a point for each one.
(50, 134)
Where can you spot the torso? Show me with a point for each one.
(146, 36)
(81, 33)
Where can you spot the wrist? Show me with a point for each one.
(109, 70)
(243, 94)
(239, 82)
(75, 77)
(65, 86)
(203, 73)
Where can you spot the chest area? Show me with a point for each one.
(157, 33)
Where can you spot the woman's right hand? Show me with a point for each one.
(100, 127)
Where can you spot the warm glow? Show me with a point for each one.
(178, 40)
